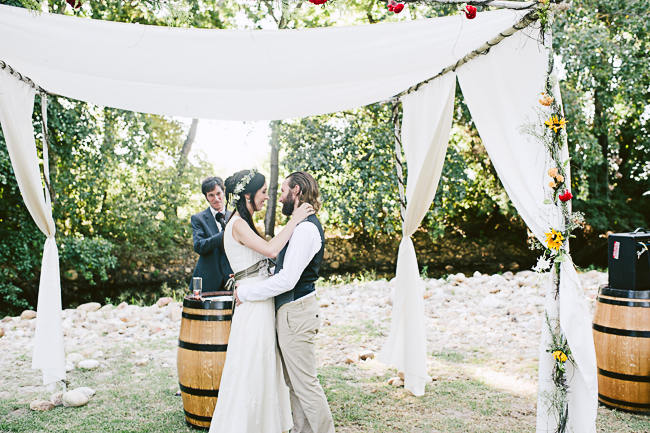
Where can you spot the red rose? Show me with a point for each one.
(471, 12)
(566, 196)
(398, 8)
(318, 2)
(391, 5)
(74, 3)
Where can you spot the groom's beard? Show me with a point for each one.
(289, 205)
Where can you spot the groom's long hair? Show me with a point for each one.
(254, 185)
(308, 188)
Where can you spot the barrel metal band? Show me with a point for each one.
(202, 347)
(630, 294)
(623, 303)
(623, 332)
(623, 403)
(199, 392)
(198, 417)
(206, 318)
(207, 304)
(622, 376)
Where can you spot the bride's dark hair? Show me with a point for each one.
(255, 183)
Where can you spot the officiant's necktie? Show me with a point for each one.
(220, 221)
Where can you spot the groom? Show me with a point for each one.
(297, 311)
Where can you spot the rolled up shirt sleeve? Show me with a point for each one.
(305, 242)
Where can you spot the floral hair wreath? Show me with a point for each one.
(241, 185)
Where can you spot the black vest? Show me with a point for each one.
(305, 284)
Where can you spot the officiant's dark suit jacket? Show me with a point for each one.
(213, 264)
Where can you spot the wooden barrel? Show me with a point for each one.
(202, 344)
(622, 338)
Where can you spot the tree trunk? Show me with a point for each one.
(269, 218)
(187, 147)
(600, 130)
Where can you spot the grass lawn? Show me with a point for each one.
(141, 399)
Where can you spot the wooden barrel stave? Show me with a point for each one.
(203, 340)
(622, 339)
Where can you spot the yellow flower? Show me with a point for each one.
(553, 172)
(546, 100)
(552, 184)
(560, 356)
(555, 123)
(559, 178)
(554, 239)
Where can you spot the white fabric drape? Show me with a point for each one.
(16, 106)
(502, 91)
(427, 117)
(236, 74)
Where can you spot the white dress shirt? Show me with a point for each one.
(214, 215)
(305, 242)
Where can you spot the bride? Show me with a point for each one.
(253, 395)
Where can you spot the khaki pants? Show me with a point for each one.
(297, 324)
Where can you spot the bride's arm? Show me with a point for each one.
(246, 236)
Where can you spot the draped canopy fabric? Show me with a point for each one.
(235, 74)
(249, 75)
(506, 112)
(16, 106)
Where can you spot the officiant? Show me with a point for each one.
(207, 232)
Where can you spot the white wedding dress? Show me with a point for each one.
(253, 396)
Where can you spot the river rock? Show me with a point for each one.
(89, 307)
(74, 398)
(41, 405)
(107, 307)
(88, 364)
(28, 315)
(89, 392)
(163, 301)
(57, 398)
(74, 357)
(368, 354)
(395, 381)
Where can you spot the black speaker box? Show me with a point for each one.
(629, 260)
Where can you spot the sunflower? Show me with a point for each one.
(554, 239)
(560, 356)
(555, 123)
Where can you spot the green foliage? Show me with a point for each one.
(92, 258)
(350, 154)
(603, 46)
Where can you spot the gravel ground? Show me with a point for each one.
(487, 326)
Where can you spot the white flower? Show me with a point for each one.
(542, 264)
